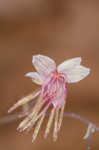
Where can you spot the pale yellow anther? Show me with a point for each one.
(61, 115)
(24, 101)
(56, 125)
(38, 127)
(49, 123)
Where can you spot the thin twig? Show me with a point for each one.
(10, 118)
(81, 118)
(88, 142)
(15, 117)
(91, 127)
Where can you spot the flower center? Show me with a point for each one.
(56, 75)
(59, 76)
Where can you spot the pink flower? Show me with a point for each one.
(53, 92)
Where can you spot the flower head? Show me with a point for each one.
(52, 94)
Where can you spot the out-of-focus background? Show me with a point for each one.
(61, 29)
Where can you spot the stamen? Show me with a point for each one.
(37, 128)
(48, 81)
(32, 121)
(33, 117)
(49, 123)
(61, 116)
(43, 111)
(56, 125)
(22, 126)
(24, 101)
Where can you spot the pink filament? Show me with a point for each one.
(50, 90)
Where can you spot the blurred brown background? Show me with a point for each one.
(61, 29)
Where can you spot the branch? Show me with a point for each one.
(81, 118)
(91, 127)
(10, 118)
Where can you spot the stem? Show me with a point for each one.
(15, 117)
(81, 118)
(11, 118)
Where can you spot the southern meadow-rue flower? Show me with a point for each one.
(52, 94)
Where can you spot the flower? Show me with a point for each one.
(52, 94)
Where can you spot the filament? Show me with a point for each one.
(38, 127)
(49, 123)
(56, 125)
(61, 116)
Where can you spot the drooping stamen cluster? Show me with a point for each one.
(53, 92)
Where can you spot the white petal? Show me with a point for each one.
(77, 74)
(43, 64)
(35, 77)
(69, 64)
